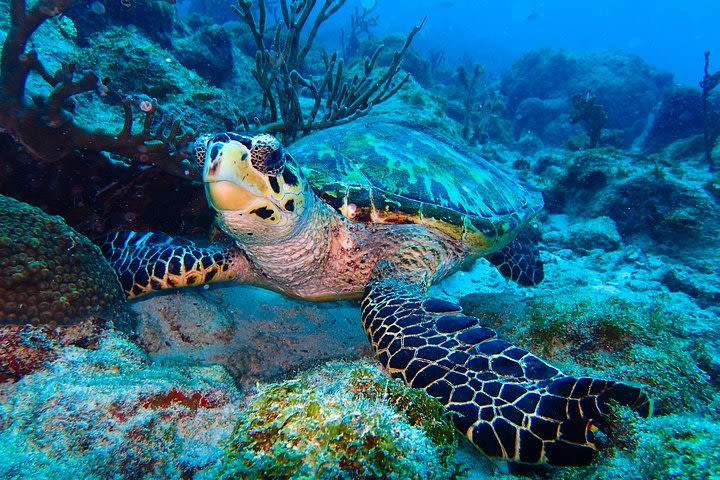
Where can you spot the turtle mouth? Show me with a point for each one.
(227, 195)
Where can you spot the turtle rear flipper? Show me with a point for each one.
(519, 262)
(147, 262)
(508, 402)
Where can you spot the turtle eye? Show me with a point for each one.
(269, 160)
(275, 161)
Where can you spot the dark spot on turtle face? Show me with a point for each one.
(244, 139)
(221, 138)
(289, 177)
(274, 184)
(263, 212)
(215, 151)
(290, 205)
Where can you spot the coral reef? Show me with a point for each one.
(645, 196)
(155, 18)
(621, 339)
(679, 115)
(710, 130)
(27, 348)
(282, 75)
(629, 240)
(208, 51)
(624, 84)
(139, 65)
(107, 413)
(51, 273)
(47, 128)
(340, 421)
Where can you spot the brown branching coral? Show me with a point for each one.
(360, 24)
(708, 83)
(588, 111)
(278, 71)
(478, 114)
(45, 126)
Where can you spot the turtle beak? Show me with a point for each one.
(225, 176)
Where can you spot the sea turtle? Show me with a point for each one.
(379, 211)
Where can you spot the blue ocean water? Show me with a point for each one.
(669, 34)
(240, 240)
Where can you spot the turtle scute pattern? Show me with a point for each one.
(51, 274)
(508, 402)
(147, 261)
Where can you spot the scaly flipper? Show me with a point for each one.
(519, 262)
(508, 402)
(146, 262)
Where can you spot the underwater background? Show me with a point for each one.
(607, 108)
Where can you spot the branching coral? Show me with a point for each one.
(278, 71)
(360, 24)
(45, 125)
(477, 115)
(591, 114)
(708, 83)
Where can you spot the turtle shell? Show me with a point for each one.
(383, 172)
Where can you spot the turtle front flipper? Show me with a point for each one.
(146, 262)
(508, 402)
(519, 262)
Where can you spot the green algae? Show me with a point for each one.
(615, 338)
(679, 446)
(340, 421)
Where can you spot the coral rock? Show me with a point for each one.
(340, 421)
(51, 273)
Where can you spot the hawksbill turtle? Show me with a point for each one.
(379, 211)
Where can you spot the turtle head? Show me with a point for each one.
(254, 185)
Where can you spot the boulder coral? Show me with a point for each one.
(51, 273)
